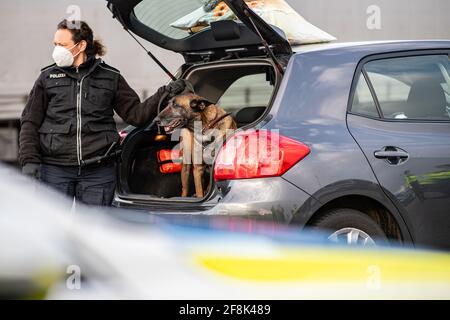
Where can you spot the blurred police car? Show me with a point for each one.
(49, 250)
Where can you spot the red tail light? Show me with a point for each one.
(173, 155)
(169, 160)
(257, 154)
(170, 167)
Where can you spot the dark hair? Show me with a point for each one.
(81, 31)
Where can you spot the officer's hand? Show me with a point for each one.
(178, 86)
(32, 170)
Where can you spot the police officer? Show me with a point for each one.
(68, 117)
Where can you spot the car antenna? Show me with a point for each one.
(265, 44)
(152, 56)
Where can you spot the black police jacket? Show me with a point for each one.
(68, 117)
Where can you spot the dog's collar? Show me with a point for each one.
(213, 123)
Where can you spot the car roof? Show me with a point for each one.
(375, 46)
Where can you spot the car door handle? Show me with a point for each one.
(393, 155)
(390, 154)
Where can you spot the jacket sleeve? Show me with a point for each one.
(32, 117)
(130, 108)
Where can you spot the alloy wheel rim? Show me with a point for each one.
(352, 236)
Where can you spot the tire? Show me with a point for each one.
(339, 223)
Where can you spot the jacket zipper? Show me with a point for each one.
(79, 122)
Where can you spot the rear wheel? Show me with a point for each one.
(349, 226)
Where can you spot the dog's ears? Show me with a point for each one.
(199, 104)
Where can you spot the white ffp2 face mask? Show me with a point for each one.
(63, 57)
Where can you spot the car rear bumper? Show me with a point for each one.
(270, 199)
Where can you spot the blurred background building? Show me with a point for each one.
(27, 28)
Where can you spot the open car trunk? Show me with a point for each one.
(145, 175)
(245, 88)
(177, 26)
(226, 54)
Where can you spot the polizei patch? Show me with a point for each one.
(57, 75)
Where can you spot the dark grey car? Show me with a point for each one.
(364, 130)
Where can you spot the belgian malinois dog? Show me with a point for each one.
(200, 121)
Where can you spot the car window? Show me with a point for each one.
(412, 87)
(248, 91)
(363, 102)
(170, 18)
